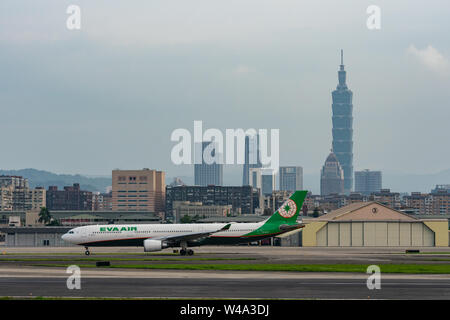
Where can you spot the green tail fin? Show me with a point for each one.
(288, 212)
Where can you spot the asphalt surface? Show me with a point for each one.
(228, 288)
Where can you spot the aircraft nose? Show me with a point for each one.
(64, 236)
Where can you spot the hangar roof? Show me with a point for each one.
(371, 211)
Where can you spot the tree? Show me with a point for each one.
(53, 222)
(186, 219)
(44, 216)
(316, 212)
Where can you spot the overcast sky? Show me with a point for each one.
(109, 95)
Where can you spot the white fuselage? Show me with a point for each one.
(103, 234)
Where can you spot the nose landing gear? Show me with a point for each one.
(87, 252)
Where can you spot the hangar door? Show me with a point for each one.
(375, 234)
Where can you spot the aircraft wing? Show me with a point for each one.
(191, 236)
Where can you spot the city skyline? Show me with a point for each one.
(274, 81)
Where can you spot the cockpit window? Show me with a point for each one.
(70, 232)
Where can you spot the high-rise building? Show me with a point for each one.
(198, 210)
(101, 201)
(437, 202)
(263, 179)
(36, 199)
(386, 197)
(441, 188)
(331, 176)
(252, 158)
(291, 178)
(268, 181)
(6, 198)
(209, 173)
(16, 195)
(255, 178)
(14, 181)
(367, 182)
(243, 199)
(138, 190)
(71, 198)
(342, 127)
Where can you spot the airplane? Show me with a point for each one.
(156, 237)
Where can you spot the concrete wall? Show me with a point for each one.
(35, 240)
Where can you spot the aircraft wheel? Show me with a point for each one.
(190, 252)
(182, 252)
(87, 252)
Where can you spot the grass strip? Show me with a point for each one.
(358, 268)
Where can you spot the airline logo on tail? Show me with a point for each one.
(288, 209)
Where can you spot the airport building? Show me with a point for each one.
(35, 237)
(372, 224)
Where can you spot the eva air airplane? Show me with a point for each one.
(155, 237)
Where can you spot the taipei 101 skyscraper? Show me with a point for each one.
(343, 127)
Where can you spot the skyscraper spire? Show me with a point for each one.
(342, 73)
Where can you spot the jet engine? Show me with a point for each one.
(154, 245)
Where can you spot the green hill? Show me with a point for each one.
(40, 178)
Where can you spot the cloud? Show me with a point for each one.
(431, 58)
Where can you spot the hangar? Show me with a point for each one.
(372, 224)
(35, 236)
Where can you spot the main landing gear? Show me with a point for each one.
(87, 252)
(184, 250)
(188, 252)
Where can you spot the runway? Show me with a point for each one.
(311, 288)
(32, 273)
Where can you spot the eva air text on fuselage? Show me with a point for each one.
(106, 229)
